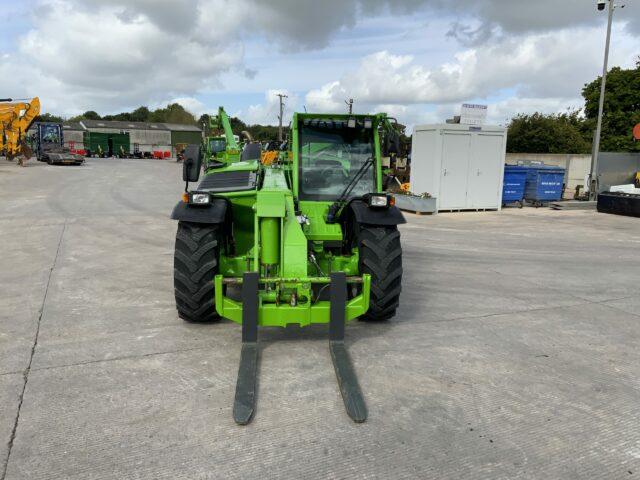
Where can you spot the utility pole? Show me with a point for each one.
(282, 96)
(593, 178)
(350, 105)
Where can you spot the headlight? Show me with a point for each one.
(378, 201)
(200, 198)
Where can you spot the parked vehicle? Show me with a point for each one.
(311, 238)
(49, 141)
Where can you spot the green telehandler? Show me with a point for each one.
(223, 148)
(310, 239)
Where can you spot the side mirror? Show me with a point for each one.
(192, 163)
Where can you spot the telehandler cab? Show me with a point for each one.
(310, 239)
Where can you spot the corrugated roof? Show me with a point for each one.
(116, 124)
(72, 126)
(178, 127)
(120, 125)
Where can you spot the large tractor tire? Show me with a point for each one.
(381, 257)
(195, 263)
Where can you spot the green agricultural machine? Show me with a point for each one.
(310, 239)
(221, 150)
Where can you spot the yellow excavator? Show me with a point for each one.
(15, 118)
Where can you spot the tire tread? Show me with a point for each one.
(381, 257)
(194, 266)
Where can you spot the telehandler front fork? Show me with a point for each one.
(245, 400)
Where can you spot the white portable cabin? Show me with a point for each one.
(462, 166)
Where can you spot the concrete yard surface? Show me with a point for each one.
(514, 354)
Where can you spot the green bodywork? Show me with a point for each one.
(222, 147)
(283, 235)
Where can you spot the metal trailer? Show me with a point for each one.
(618, 169)
(49, 144)
(619, 203)
(461, 166)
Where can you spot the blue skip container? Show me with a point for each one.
(544, 184)
(515, 178)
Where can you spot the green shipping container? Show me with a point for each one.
(121, 140)
(109, 143)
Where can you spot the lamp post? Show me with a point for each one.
(593, 180)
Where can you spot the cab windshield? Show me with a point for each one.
(50, 134)
(330, 157)
(217, 145)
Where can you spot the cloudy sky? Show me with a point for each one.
(416, 59)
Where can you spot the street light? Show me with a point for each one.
(593, 180)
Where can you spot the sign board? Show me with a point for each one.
(636, 132)
(472, 114)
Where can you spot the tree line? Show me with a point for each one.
(172, 113)
(573, 131)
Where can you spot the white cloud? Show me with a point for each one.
(267, 113)
(411, 115)
(328, 98)
(110, 55)
(544, 70)
(108, 58)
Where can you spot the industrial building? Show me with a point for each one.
(145, 137)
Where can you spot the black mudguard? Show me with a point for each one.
(214, 213)
(359, 211)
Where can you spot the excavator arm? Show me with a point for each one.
(16, 117)
(7, 116)
(19, 115)
(31, 111)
